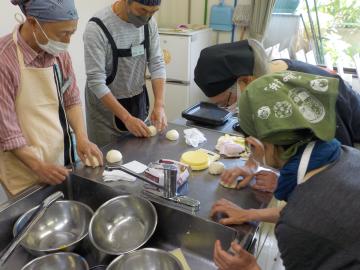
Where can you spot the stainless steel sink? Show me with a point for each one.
(176, 229)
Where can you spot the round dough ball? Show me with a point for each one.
(216, 168)
(94, 161)
(113, 156)
(172, 135)
(153, 131)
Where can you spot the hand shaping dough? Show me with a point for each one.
(94, 161)
(113, 156)
(172, 135)
(153, 131)
(216, 168)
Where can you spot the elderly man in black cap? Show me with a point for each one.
(224, 70)
(120, 42)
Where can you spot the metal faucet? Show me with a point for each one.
(36, 216)
(168, 191)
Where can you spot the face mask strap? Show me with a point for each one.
(42, 30)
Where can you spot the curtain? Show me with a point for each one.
(262, 11)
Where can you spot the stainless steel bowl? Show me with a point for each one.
(58, 261)
(61, 228)
(122, 224)
(146, 259)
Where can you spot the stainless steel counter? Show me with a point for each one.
(202, 186)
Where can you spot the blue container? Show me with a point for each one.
(221, 17)
(286, 6)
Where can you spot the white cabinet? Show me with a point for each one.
(181, 51)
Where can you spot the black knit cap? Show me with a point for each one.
(149, 2)
(219, 66)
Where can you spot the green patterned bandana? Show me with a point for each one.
(289, 108)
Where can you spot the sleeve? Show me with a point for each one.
(72, 95)
(156, 62)
(11, 136)
(349, 110)
(95, 45)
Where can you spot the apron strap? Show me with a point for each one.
(20, 55)
(304, 162)
(121, 53)
(69, 152)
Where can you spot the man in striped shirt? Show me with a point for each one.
(39, 98)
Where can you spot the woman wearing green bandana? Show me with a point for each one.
(224, 70)
(293, 116)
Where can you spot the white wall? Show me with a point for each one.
(175, 12)
(86, 9)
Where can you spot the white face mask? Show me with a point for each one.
(52, 47)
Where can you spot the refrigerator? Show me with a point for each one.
(181, 53)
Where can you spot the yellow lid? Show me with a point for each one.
(197, 160)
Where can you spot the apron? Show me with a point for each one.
(42, 119)
(304, 163)
(102, 124)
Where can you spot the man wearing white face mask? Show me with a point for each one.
(39, 98)
(120, 42)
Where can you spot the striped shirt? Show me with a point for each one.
(129, 80)
(11, 136)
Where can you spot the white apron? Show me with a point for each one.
(304, 163)
(38, 112)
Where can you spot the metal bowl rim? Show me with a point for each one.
(58, 253)
(62, 247)
(146, 249)
(92, 240)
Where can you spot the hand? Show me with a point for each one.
(230, 176)
(86, 149)
(266, 181)
(158, 118)
(241, 260)
(137, 127)
(235, 214)
(51, 174)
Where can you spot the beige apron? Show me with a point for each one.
(37, 109)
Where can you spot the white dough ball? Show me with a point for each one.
(216, 168)
(114, 156)
(153, 131)
(94, 164)
(172, 135)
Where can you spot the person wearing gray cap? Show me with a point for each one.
(39, 98)
(120, 42)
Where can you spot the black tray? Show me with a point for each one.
(207, 113)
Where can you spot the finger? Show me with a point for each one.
(81, 156)
(164, 123)
(229, 221)
(144, 130)
(263, 172)
(243, 183)
(238, 249)
(217, 258)
(223, 256)
(260, 181)
(97, 154)
(259, 188)
(215, 210)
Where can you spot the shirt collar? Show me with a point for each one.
(31, 55)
